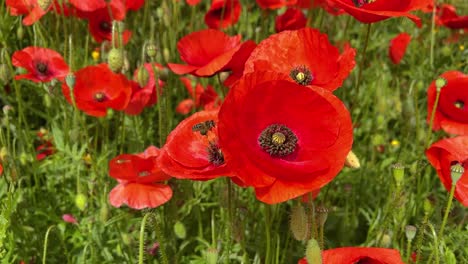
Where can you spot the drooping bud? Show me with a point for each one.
(298, 223)
(352, 161)
(115, 59)
(313, 253)
(80, 201)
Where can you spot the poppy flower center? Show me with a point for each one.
(41, 68)
(100, 97)
(215, 155)
(105, 26)
(143, 174)
(278, 140)
(459, 104)
(359, 3)
(301, 75)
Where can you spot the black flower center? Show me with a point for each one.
(278, 140)
(100, 97)
(301, 75)
(41, 67)
(215, 155)
(105, 26)
(459, 104)
(359, 3)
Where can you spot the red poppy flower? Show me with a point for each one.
(290, 20)
(236, 65)
(134, 4)
(42, 64)
(1, 169)
(192, 2)
(223, 13)
(447, 16)
(370, 11)
(446, 153)
(46, 148)
(146, 95)
(97, 88)
(89, 5)
(192, 151)
(31, 9)
(207, 98)
(352, 255)
(206, 52)
(452, 110)
(398, 46)
(267, 143)
(139, 176)
(306, 56)
(275, 4)
(69, 218)
(100, 22)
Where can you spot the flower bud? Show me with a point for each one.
(313, 253)
(80, 201)
(103, 213)
(115, 59)
(20, 33)
(322, 214)
(5, 74)
(211, 256)
(440, 83)
(142, 76)
(166, 54)
(179, 230)
(298, 223)
(398, 172)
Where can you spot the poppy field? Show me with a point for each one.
(234, 131)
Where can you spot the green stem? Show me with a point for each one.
(431, 123)
(363, 59)
(447, 210)
(142, 239)
(267, 231)
(431, 55)
(46, 239)
(161, 240)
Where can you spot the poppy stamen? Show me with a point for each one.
(459, 104)
(100, 97)
(215, 155)
(41, 67)
(278, 140)
(105, 26)
(301, 75)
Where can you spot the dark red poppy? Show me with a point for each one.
(397, 48)
(192, 151)
(275, 4)
(306, 56)
(452, 109)
(267, 143)
(447, 16)
(206, 52)
(100, 22)
(144, 94)
(370, 11)
(32, 10)
(446, 153)
(236, 65)
(292, 19)
(42, 64)
(139, 177)
(207, 98)
(353, 255)
(97, 88)
(223, 13)
(46, 147)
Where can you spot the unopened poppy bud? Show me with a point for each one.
(23, 158)
(298, 223)
(142, 76)
(103, 214)
(164, 74)
(398, 172)
(44, 4)
(5, 74)
(212, 256)
(3, 153)
(386, 241)
(70, 80)
(115, 59)
(179, 230)
(126, 64)
(20, 33)
(456, 171)
(427, 206)
(446, 51)
(313, 253)
(151, 50)
(80, 201)
(410, 232)
(352, 161)
(166, 54)
(47, 101)
(322, 214)
(440, 83)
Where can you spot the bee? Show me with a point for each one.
(204, 127)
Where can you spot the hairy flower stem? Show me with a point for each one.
(161, 240)
(46, 240)
(431, 123)
(363, 59)
(420, 236)
(142, 239)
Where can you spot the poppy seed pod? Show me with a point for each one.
(115, 59)
(298, 223)
(410, 232)
(313, 253)
(151, 50)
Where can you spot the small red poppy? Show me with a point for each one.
(42, 64)
(397, 48)
(69, 218)
(352, 255)
(306, 56)
(31, 9)
(446, 153)
(146, 95)
(370, 11)
(139, 177)
(275, 4)
(97, 88)
(290, 20)
(447, 16)
(267, 143)
(452, 109)
(192, 150)
(206, 52)
(207, 98)
(223, 13)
